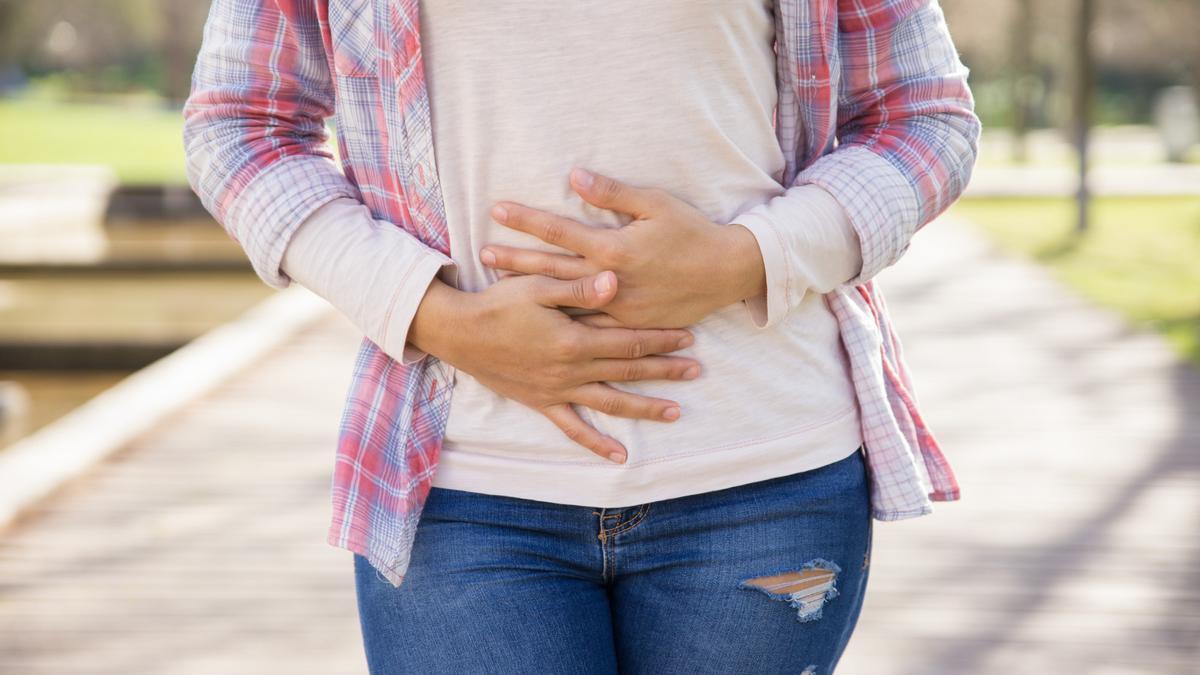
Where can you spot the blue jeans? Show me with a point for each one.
(766, 577)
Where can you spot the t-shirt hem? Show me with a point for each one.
(616, 486)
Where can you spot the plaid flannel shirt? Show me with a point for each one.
(873, 106)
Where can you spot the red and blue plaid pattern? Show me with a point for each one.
(873, 106)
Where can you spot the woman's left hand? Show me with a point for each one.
(674, 266)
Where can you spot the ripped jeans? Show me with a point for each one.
(766, 577)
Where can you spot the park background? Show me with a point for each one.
(138, 352)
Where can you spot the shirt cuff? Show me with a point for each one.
(807, 244)
(404, 308)
(372, 271)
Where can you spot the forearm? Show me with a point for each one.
(375, 273)
(740, 269)
(442, 316)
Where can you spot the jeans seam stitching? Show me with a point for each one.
(632, 522)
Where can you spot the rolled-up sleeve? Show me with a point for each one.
(254, 126)
(907, 134)
(258, 157)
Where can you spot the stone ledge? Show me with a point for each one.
(34, 467)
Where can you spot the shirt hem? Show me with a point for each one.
(608, 485)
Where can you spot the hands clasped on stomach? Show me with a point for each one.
(667, 269)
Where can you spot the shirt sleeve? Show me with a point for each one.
(254, 130)
(907, 132)
(807, 244)
(370, 270)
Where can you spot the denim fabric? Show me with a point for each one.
(506, 585)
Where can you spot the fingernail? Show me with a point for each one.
(671, 413)
(685, 341)
(603, 282)
(499, 213)
(691, 372)
(618, 457)
(487, 257)
(582, 177)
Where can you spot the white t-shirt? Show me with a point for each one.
(675, 94)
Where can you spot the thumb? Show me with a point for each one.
(589, 292)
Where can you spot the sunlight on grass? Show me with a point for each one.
(141, 141)
(1141, 256)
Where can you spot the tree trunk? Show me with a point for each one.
(177, 66)
(1084, 88)
(1022, 78)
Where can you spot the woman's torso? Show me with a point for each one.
(675, 94)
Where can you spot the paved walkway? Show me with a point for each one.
(200, 548)
(1125, 161)
(1152, 180)
(1075, 549)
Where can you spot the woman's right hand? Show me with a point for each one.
(513, 338)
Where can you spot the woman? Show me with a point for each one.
(627, 397)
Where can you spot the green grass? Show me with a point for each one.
(1140, 257)
(141, 140)
(143, 143)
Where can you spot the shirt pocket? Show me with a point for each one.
(352, 33)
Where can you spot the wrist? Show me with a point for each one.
(444, 314)
(740, 270)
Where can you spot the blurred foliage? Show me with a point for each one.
(1139, 257)
(103, 45)
(1140, 47)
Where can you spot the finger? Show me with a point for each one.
(612, 401)
(589, 292)
(645, 368)
(550, 228)
(571, 424)
(614, 195)
(600, 320)
(527, 261)
(633, 343)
